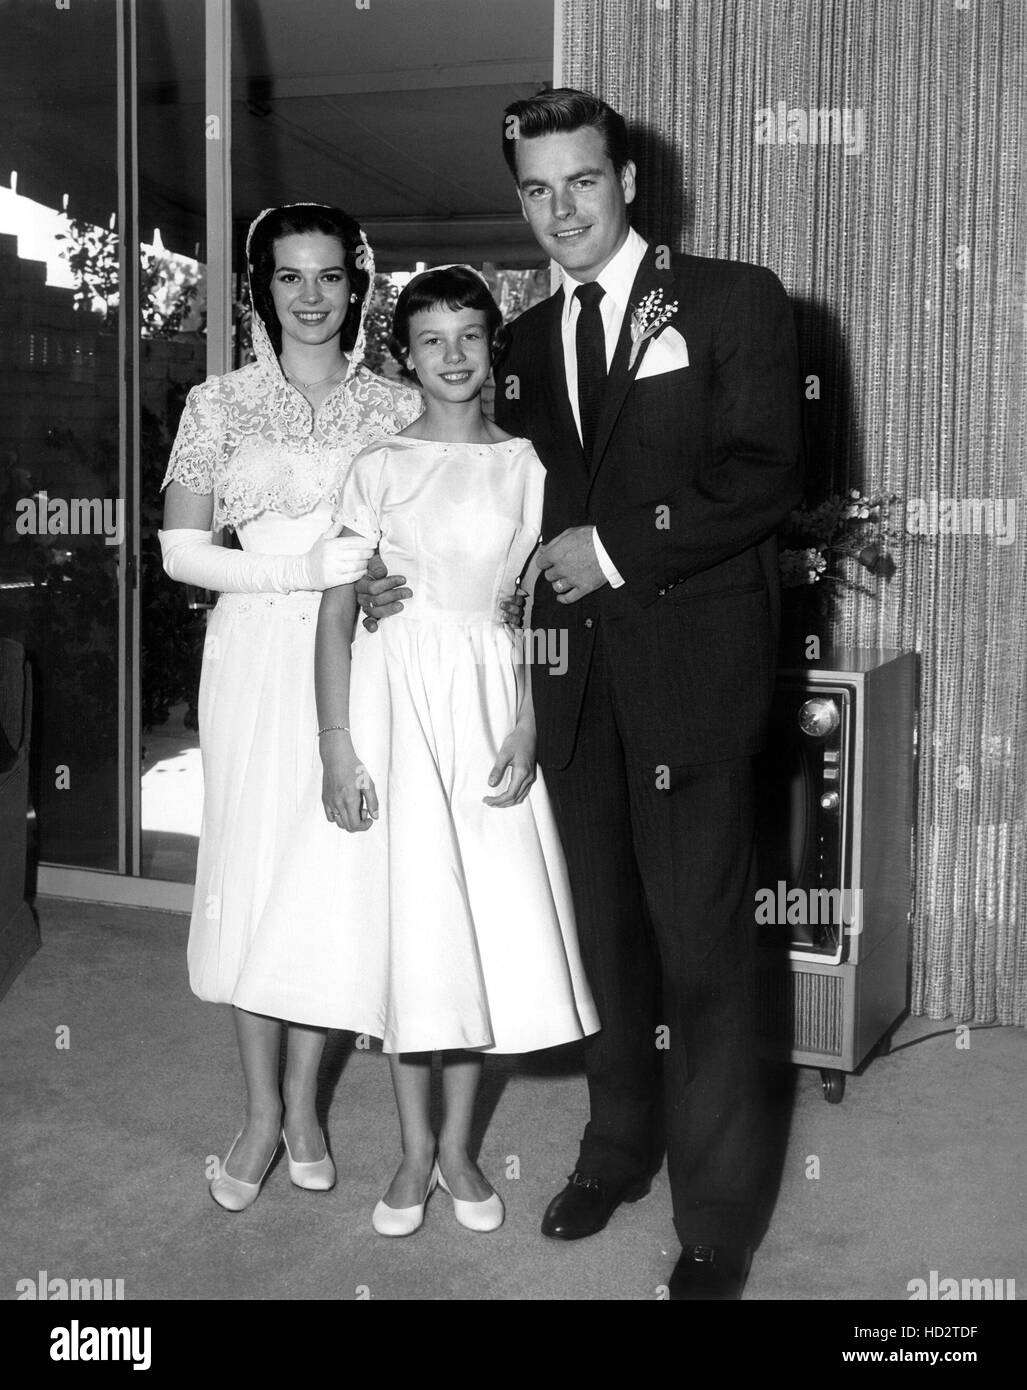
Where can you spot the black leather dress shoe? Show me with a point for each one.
(710, 1272)
(586, 1204)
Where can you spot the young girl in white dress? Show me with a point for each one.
(448, 923)
(265, 450)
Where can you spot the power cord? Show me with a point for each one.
(947, 1033)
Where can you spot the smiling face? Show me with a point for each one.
(310, 287)
(573, 199)
(449, 351)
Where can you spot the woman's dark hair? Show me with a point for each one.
(454, 287)
(559, 112)
(301, 220)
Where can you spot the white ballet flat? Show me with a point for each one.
(318, 1176)
(477, 1216)
(403, 1221)
(232, 1193)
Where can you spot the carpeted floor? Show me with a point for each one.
(105, 1143)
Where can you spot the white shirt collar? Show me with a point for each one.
(616, 277)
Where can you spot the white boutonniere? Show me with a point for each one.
(647, 319)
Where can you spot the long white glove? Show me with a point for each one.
(192, 558)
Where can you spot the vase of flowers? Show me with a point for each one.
(840, 543)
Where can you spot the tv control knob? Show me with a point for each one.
(829, 801)
(818, 717)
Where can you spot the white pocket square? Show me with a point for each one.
(667, 352)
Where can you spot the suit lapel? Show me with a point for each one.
(647, 278)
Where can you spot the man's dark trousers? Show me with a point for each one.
(662, 870)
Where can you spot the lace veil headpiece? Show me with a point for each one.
(262, 346)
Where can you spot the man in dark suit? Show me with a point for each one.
(661, 393)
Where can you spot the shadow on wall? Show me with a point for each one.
(664, 213)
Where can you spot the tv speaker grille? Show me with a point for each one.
(801, 1009)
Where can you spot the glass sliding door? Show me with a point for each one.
(102, 240)
(172, 358)
(63, 514)
(132, 129)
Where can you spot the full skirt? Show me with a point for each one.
(448, 924)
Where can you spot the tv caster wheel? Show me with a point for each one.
(833, 1084)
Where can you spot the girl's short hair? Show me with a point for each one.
(453, 287)
(301, 220)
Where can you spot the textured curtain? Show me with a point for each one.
(871, 153)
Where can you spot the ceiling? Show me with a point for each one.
(392, 111)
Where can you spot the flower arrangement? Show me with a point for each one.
(815, 541)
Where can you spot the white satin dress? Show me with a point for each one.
(275, 470)
(449, 924)
(258, 718)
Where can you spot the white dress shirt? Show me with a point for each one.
(616, 278)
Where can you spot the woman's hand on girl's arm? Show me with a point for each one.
(517, 755)
(334, 559)
(191, 556)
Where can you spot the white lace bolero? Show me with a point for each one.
(253, 441)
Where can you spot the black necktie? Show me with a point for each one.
(590, 344)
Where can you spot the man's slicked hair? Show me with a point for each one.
(559, 112)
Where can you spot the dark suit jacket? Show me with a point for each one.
(694, 470)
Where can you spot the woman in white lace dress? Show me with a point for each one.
(265, 450)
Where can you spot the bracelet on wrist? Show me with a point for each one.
(331, 728)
